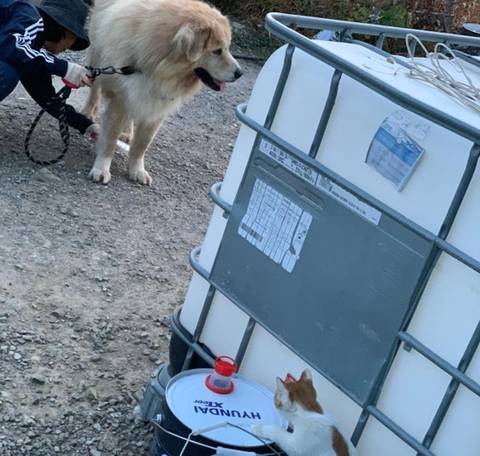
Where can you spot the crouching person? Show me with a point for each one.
(30, 39)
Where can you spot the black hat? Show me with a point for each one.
(71, 15)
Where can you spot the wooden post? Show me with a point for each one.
(448, 15)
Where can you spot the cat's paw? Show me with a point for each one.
(263, 430)
(256, 429)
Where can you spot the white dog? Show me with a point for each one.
(174, 46)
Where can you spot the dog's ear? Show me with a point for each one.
(191, 42)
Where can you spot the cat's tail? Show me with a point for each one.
(328, 421)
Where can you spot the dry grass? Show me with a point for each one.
(359, 10)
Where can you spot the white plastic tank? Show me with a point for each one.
(449, 309)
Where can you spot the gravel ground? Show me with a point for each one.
(89, 274)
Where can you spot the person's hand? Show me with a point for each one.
(77, 76)
(93, 132)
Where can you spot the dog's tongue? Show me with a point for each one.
(222, 86)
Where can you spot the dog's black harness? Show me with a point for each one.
(63, 95)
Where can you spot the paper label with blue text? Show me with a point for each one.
(393, 152)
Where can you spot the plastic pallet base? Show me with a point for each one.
(151, 406)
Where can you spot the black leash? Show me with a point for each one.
(63, 95)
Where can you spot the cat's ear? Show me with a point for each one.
(280, 384)
(306, 375)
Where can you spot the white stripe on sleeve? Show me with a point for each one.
(22, 42)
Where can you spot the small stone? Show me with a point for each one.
(68, 211)
(108, 443)
(38, 379)
(92, 394)
(17, 356)
(45, 175)
(237, 26)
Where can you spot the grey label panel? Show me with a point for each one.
(341, 305)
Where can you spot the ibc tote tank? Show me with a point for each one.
(414, 396)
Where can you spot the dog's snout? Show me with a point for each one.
(238, 73)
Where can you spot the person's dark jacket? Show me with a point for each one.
(21, 39)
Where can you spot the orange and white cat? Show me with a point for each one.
(314, 433)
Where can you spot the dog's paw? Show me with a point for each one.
(100, 175)
(137, 173)
(141, 176)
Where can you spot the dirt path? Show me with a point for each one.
(89, 275)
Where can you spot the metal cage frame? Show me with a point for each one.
(281, 26)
